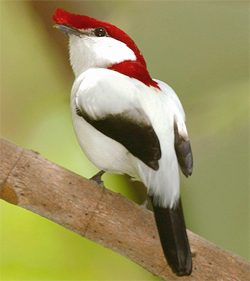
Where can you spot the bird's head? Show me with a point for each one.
(95, 43)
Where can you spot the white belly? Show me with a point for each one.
(96, 89)
(102, 151)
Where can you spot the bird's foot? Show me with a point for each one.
(97, 178)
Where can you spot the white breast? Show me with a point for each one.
(103, 91)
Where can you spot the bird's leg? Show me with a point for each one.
(97, 178)
(146, 203)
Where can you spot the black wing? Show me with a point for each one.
(133, 130)
(183, 152)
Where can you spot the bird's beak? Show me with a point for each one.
(66, 29)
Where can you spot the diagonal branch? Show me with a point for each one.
(36, 184)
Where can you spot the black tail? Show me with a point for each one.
(173, 236)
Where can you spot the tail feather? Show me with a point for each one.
(173, 236)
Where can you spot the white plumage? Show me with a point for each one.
(100, 92)
(90, 52)
(128, 123)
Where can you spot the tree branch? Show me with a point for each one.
(107, 218)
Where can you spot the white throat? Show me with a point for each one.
(96, 52)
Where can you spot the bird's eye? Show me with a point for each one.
(100, 32)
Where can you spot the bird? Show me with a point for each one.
(128, 123)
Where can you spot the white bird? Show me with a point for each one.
(128, 123)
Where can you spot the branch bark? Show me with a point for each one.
(96, 213)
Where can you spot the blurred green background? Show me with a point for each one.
(201, 49)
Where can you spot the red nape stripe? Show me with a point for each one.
(134, 69)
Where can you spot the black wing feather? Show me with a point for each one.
(183, 152)
(138, 136)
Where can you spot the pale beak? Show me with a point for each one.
(66, 29)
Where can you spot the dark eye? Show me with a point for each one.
(100, 32)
